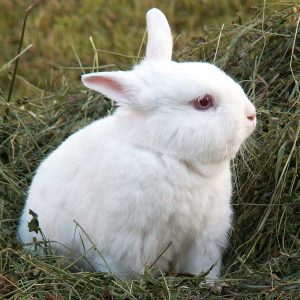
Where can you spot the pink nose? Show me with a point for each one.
(251, 117)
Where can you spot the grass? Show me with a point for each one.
(59, 34)
(263, 258)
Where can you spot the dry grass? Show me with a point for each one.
(263, 259)
(56, 29)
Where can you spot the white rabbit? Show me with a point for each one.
(151, 184)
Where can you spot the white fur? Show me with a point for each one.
(159, 44)
(156, 172)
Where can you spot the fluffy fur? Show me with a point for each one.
(153, 175)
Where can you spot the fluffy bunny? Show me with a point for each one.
(151, 184)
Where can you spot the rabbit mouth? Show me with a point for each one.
(250, 129)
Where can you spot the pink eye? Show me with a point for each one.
(203, 103)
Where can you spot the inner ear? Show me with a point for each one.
(119, 86)
(106, 82)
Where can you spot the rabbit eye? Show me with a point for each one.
(203, 103)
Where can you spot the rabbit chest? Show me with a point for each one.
(163, 203)
(189, 202)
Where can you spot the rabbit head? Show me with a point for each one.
(190, 110)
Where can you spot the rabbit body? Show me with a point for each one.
(149, 185)
(132, 202)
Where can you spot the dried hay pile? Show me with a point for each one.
(263, 259)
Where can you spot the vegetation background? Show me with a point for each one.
(42, 102)
(60, 31)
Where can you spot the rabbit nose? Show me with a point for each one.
(251, 117)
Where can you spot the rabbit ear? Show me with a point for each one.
(160, 44)
(119, 86)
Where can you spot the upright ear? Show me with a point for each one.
(160, 43)
(120, 86)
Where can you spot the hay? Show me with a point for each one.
(263, 259)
